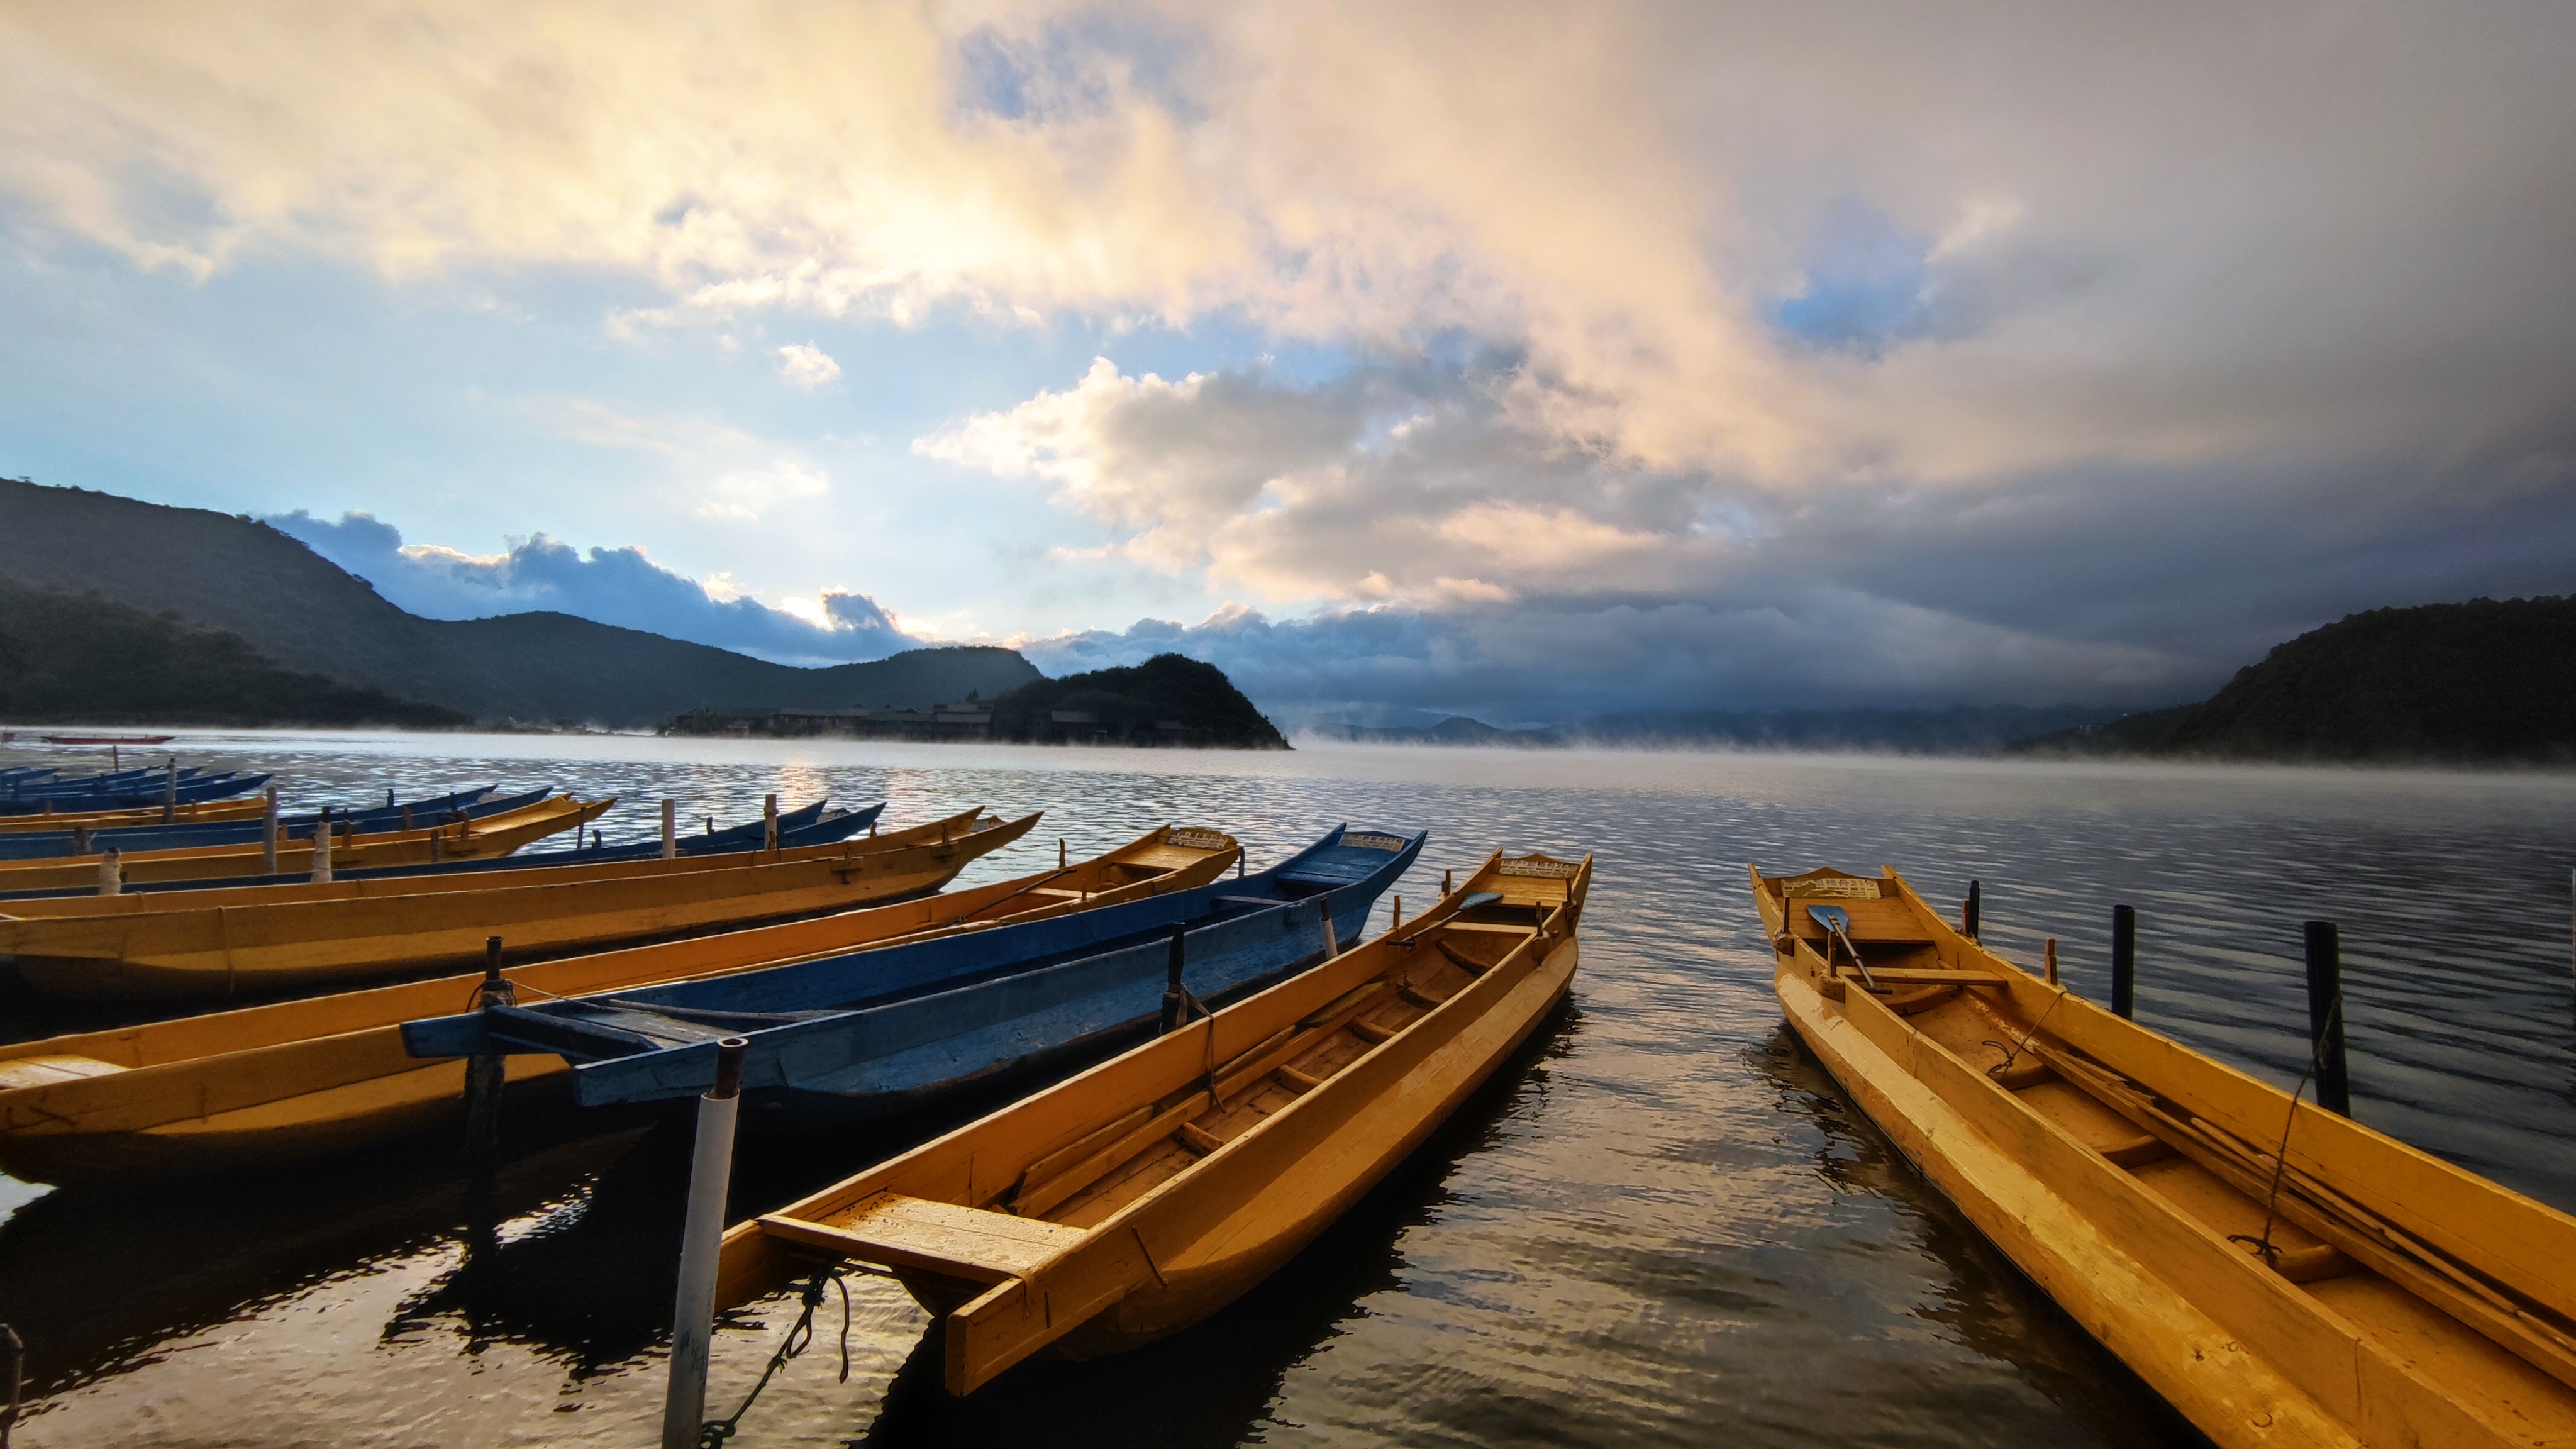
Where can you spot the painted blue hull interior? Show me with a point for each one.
(35, 845)
(882, 1031)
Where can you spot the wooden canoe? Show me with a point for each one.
(188, 812)
(271, 1084)
(465, 840)
(234, 950)
(2397, 1299)
(883, 1032)
(549, 867)
(1124, 1204)
(153, 833)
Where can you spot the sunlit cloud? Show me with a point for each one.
(807, 366)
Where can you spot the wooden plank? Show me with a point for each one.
(938, 1237)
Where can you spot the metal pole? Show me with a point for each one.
(1969, 911)
(670, 830)
(111, 874)
(1172, 980)
(684, 1411)
(268, 835)
(2325, 1017)
(2124, 962)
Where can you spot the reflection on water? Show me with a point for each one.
(1661, 1225)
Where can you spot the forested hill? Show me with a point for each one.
(2487, 680)
(66, 658)
(303, 613)
(1168, 695)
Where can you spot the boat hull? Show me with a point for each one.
(1353, 1139)
(2195, 1362)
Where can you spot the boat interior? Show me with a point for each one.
(1871, 943)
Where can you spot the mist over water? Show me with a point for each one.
(1660, 1225)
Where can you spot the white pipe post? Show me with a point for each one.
(111, 874)
(670, 830)
(769, 825)
(322, 848)
(684, 1409)
(268, 835)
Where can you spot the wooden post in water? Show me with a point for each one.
(1970, 909)
(322, 848)
(2124, 962)
(769, 824)
(1395, 915)
(670, 830)
(170, 792)
(1063, 855)
(2049, 948)
(2325, 1017)
(1172, 980)
(1447, 889)
(684, 1409)
(111, 873)
(268, 835)
(486, 1073)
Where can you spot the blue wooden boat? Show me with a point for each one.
(810, 825)
(136, 796)
(435, 810)
(879, 1032)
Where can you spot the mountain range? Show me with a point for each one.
(304, 614)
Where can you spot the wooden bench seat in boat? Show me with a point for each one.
(1887, 922)
(947, 1238)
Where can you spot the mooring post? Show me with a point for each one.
(1395, 915)
(111, 873)
(1172, 980)
(170, 791)
(322, 847)
(684, 1411)
(1063, 856)
(2049, 949)
(670, 830)
(486, 1072)
(1969, 910)
(2124, 962)
(769, 824)
(2325, 1017)
(268, 835)
(1447, 889)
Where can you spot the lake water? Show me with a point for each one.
(1661, 1225)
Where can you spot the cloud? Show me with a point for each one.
(2081, 345)
(807, 366)
(612, 586)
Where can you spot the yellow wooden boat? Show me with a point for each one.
(277, 1083)
(194, 812)
(483, 839)
(229, 950)
(2284, 1275)
(1137, 1198)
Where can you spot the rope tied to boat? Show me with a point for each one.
(2264, 1248)
(2013, 1053)
(1189, 1003)
(800, 1336)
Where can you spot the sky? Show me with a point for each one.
(1402, 359)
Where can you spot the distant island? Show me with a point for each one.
(2484, 681)
(1169, 700)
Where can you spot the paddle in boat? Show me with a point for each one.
(2282, 1274)
(1137, 1198)
(271, 1084)
(884, 1032)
